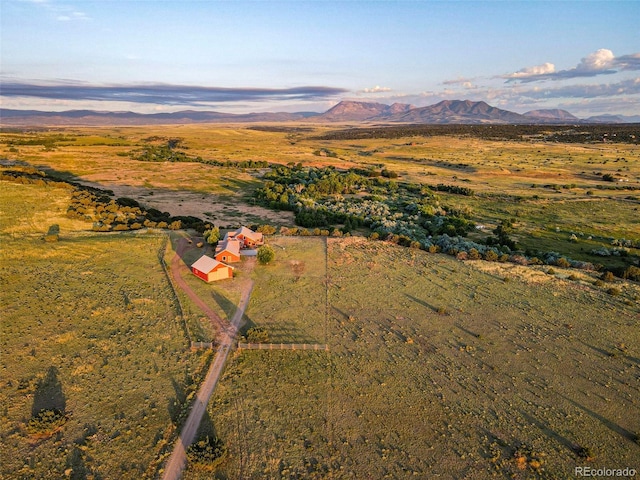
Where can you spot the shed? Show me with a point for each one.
(210, 270)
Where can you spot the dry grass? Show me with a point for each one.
(513, 379)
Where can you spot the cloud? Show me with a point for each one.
(464, 82)
(62, 12)
(376, 89)
(626, 87)
(164, 94)
(544, 69)
(600, 62)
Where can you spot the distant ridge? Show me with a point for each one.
(552, 114)
(445, 112)
(358, 111)
(92, 117)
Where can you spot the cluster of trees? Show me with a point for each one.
(453, 189)
(328, 198)
(555, 133)
(169, 153)
(108, 214)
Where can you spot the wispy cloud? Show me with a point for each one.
(163, 94)
(376, 89)
(60, 11)
(600, 62)
(625, 87)
(465, 82)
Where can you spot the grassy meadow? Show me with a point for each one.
(552, 189)
(92, 315)
(436, 368)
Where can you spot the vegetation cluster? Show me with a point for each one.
(172, 151)
(554, 133)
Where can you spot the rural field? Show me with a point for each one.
(437, 366)
(90, 328)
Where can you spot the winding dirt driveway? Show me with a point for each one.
(227, 333)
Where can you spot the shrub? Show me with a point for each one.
(257, 335)
(614, 291)
(212, 235)
(207, 453)
(490, 256)
(563, 263)
(474, 254)
(266, 254)
(46, 422)
(267, 229)
(607, 276)
(632, 273)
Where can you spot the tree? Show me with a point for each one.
(266, 254)
(212, 235)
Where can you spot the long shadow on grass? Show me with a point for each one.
(549, 432)
(614, 427)
(422, 302)
(49, 395)
(176, 403)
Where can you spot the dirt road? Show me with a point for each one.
(226, 336)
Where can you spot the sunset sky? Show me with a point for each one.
(236, 56)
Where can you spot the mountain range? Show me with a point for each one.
(445, 112)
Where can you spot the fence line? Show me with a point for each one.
(283, 346)
(197, 345)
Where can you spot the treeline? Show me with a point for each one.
(623, 133)
(122, 214)
(328, 198)
(170, 153)
(98, 206)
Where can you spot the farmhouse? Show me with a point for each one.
(228, 250)
(210, 270)
(247, 237)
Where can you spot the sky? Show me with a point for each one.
(152, 56)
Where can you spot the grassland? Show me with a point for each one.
(501, 378)
(553, 189)
(436, 366)
(97, 311)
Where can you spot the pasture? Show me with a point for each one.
(94, 313)
(435, 367)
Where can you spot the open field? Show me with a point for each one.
(553, 189)
(436, 368)
(94, 313)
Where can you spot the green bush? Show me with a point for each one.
(257, 335)
(266, 254)
(208, 453)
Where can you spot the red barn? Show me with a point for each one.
(210, 270)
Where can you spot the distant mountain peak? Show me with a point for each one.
(551, 114)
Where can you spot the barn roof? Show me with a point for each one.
(206, 264)
(231, 245)
(247, 232)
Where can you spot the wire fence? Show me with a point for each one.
(283, 346)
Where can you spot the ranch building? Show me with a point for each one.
(210, 269)
(228, 250)
(248, 238)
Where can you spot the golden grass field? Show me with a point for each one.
(436, 367)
